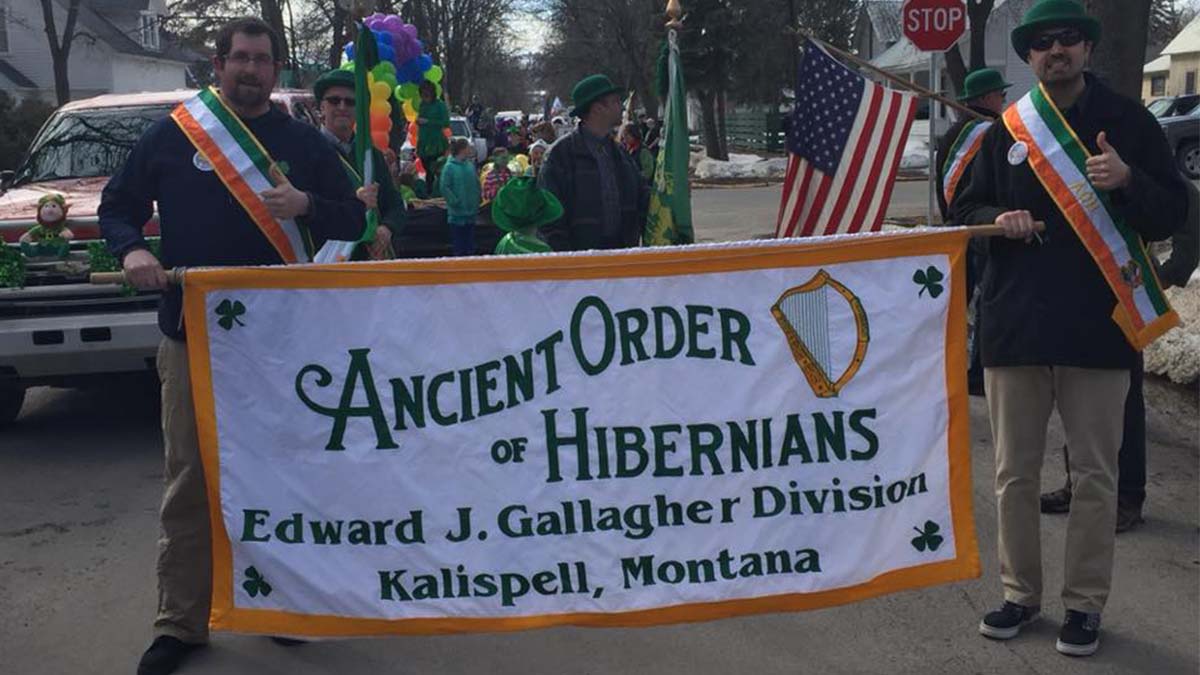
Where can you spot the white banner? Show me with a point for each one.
(617, 439)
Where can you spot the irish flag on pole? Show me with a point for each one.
(670, 218)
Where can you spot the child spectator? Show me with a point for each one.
(460, 187)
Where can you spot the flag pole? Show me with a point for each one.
(862, 63)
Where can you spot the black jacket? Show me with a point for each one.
(1047, 303)
(201, 222)
(573, 175)
(945, 143)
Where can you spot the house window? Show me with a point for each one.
(1189, 86)
(3, 27)
(1158, 85)
(149, 30)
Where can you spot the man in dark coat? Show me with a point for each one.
(1131, 461)
(1048, 335)
(203, 224)
(983, 92)
(602, 192)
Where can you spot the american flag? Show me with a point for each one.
(846, 139)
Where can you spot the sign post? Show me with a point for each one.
(933, 26)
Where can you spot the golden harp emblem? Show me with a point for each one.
(816, 318)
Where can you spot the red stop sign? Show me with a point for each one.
(933, 25)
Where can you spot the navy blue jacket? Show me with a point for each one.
(201, 222)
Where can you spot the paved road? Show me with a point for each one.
(738, 213)
(80, 480)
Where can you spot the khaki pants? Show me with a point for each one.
(184, 546)
(1091, 403)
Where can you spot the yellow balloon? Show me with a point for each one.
(380, 108)
(380, 91)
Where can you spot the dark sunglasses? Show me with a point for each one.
(1067, 38)
(335, 101)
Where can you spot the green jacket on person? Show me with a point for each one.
(431, 137)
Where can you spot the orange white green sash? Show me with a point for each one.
(969, 140)
(1059, 161)
(242, 164)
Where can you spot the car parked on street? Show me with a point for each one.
(1183, 137)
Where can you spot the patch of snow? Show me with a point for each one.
(739, 166)
(1176, 355)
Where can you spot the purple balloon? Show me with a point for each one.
(411, 30)
(393, 23)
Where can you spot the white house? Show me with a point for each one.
(120, 48)
(880, 40)
(1175, 72)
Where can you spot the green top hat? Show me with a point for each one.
(521, 204)
(1048, 14)
(334, 78)
(589, 89)
(982, 81)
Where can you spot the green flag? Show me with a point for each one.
(366, 55)
(669, 221)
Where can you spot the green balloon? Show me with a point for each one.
(434, 74)
(349, 65)
(409, 91)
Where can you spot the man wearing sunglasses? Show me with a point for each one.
(335, 94)
(1065, 311)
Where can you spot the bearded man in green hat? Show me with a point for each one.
(337, 100)
(1066, 311)
(603, 195)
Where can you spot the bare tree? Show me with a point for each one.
(60, 46)
(978, 12)
(619, 38)
(1119, 57)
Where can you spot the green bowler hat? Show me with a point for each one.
(521, 204)
(982, 81)
(589, 89)
(1049, 14)
(334, 78)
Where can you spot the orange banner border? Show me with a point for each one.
(226, 616)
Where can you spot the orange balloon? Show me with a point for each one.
(380, 138)
(446, 132)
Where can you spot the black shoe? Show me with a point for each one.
(1128, 517)
(1058, 501)
(1006, 622)
(164, 655)
(287, 642)
(1079, 635)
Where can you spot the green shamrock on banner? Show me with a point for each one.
(255, 583)
(229, 313)
(927, 537)
(929, 279)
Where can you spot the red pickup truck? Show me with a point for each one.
(58, 329)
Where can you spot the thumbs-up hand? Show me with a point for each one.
(284, 200)
(1107, 171)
